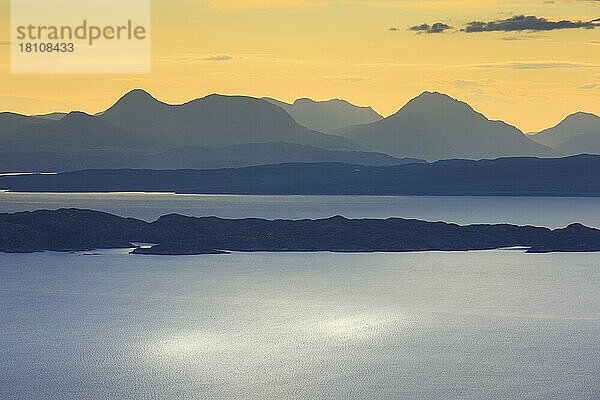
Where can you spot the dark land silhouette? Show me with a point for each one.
(80, 230)
(570, 176)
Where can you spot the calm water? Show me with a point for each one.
(477, 325)
(541, 211)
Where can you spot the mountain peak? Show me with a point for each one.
(573, 124)
(435, 98)
(434, 94)
(136, 99)
(137, 94)
(219, 97)
(434, 103)
(76, 116)
(583, 117)
(304, 100)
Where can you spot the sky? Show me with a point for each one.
(529, 72)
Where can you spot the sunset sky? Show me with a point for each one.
(359, 50)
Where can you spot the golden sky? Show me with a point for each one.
(344, 48)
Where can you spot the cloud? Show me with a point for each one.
(520, 37)
(194, 58)
(466, 84)
(474, 86)
(532, 65)
(519, 23)
(219, 57)
(353, 79)
(438, 27)
(591, 86)
(393, 29)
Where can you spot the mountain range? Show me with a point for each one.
(214, 120)
(139, 131)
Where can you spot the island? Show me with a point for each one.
(86, 230)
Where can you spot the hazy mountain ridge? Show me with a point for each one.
(10, 121)
(195, 157)
(139, 131)
(327, 116)
(53, 116)
(76, 131)
(578, 133)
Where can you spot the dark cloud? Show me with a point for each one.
(527, 23)
(393, 29)
(219, 57)
(438, 27)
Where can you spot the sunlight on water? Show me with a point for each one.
(187, 344)
(477, 325)
(358, 327)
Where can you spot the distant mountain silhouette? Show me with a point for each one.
(55, 116)
(11, 121)
(197, 157)
(434, 126)
(266, 153)
(216, 131)
(76, 131)
(327, 116)
(586, 143)
(576, 134)
(214, 120)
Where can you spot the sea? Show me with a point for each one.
(500, 324)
